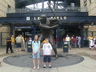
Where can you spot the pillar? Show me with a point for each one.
(0, 39)
(54, 4)
(57, 4)
(82, 34)
(65, 2)
(59, 44)
(42, 4)
(11, 29)
(34, 31)
(86, 33)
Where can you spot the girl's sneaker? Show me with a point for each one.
(34, 68)
(38, 68)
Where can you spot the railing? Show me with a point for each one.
(67, 9)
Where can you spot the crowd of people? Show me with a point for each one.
(20, 43)
(73, 42)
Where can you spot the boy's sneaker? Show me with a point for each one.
(44, 66)
(50, 66)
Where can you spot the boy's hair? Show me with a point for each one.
(47, 38)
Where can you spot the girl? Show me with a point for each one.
(36, 52)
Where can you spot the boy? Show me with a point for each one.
(47, 52)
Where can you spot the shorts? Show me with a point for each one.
(36, 56)
(18, 45)
(47, 58)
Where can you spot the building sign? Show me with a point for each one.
(58, 17)
(27, 18)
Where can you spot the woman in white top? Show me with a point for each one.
(68, 39)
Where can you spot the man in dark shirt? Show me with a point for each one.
(8, 45)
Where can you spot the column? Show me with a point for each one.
(82, 34)
(34, 31)
(65, 2)
(42, 4)
(0, 39)
(57, 4)
(86, 32)
(11, 29)
(54, 4)
(59, 45)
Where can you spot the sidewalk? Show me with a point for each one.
(88, 64)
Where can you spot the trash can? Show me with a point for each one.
(65, 46)
(29, 46)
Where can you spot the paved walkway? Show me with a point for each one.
(87, 65)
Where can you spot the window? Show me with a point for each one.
(9, 8)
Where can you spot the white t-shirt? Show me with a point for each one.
(67, 38)
(18, 39)
(47, 48)
(79, 38)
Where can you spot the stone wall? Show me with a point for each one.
(5, 31)
(91, 6)
(4, 4)
(92, 30)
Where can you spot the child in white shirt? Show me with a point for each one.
(47, 52)
(91, 43)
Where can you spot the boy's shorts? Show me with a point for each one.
(47, 58)
(36, 56)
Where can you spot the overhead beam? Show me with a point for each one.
(89, 19)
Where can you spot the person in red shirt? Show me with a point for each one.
(75, 42)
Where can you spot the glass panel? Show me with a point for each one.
(38, 6)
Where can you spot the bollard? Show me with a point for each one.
(29, 46)
(65, 46)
